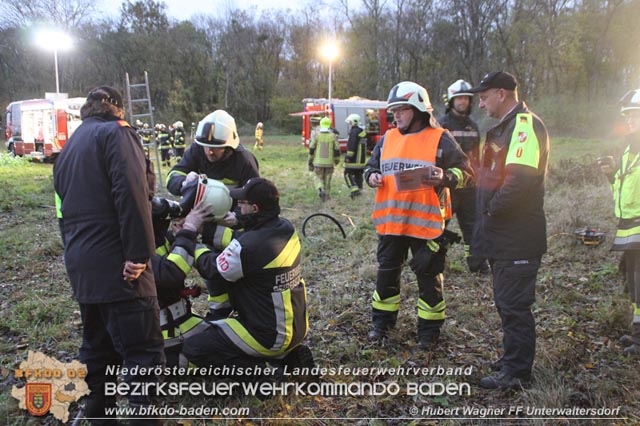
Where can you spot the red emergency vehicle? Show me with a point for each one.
(375, 119)
(39, 128)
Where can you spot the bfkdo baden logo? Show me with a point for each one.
(51, 385)
(38, 398)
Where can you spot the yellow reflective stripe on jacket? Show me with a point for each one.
(627, 236)
(219, 301)
(200, 250)
(288, 255)
(164, 248)
(58, 206)
(431, 313)
(222, 237)
(524, 148)
(636, 313)
(390, 304)
(459, 177)
(171, 173)
(181, 258)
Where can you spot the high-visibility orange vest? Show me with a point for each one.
(414, 213)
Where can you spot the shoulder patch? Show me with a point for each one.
(123, 123)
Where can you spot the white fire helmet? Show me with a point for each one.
(178, 124)
(218, 130)
(409, 93)
(459, 88)
(214, 193)
(353, 119)
(630, 101)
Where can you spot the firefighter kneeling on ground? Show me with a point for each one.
(173, 261)
(261, 265)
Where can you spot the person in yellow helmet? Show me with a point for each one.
(624, 176)
(324, 154)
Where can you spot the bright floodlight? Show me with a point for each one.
(54, 40)
(329, 51)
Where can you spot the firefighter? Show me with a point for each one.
(258, 135)
(102, 203)
(510, 224)
(457, 119)
(356, 156)
(174, 258)
(267, 292)
(164, 143)
(624, 176)
(324, 154)
(413, 219)
(146, 135)
(218, 154)
(178, 140)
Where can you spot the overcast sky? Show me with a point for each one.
(185, 9)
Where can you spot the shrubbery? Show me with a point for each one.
(8, 160)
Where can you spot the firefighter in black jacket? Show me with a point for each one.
(178, 139)
(102, 202)
(458, 121)
(217, 152)
(267, 292)
(164, 143)
(356, 156)
(511, 225)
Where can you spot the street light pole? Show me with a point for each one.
(54, 40)
(330, 52)
(55, 60)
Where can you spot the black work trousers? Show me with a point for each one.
(123, 333)
(514, 283)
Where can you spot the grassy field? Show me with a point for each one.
(581, 307)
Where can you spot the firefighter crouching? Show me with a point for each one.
(173, 262)
(625, 181)
(413, 219)
(356, 156)
(266, 290)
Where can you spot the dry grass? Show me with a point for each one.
(581, 307)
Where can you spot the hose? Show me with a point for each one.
(333, 219)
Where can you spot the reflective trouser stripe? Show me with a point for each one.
(244, 340)
(184, 330)
(627, 236)
(467, 248)
(390, 304)
(431, 312)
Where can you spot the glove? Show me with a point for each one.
(435, 178)
(188, 191)
(197, 217)
(229, 220)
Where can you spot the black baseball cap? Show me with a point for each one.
(495, 80)
(106, 93)
(259, 191)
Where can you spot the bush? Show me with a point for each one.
(8, 160)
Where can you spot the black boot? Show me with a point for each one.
(387, 284)
(428, 334)
(94, 409)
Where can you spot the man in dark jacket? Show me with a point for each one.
(457, 119)
(102, 201)
(511, 225)
(217, 152)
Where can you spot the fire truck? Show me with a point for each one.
(39, 128)
(375, 119)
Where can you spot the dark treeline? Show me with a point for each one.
(572, 58)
